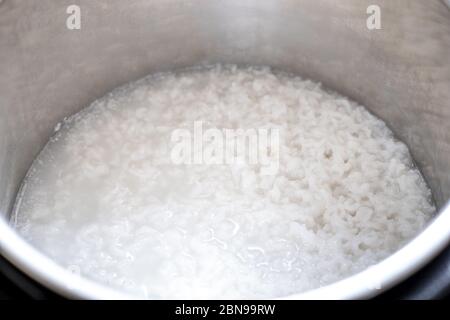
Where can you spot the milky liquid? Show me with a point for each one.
(104, 195)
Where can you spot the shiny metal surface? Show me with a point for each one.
(401, 73)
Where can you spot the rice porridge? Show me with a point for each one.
(106, 195)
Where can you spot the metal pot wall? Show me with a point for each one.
(401, 72)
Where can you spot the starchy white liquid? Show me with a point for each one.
(105, 197)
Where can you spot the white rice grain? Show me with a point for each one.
(104, 196)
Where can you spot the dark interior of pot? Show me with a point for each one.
(401, 72)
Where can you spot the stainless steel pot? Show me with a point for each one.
(401, 72)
